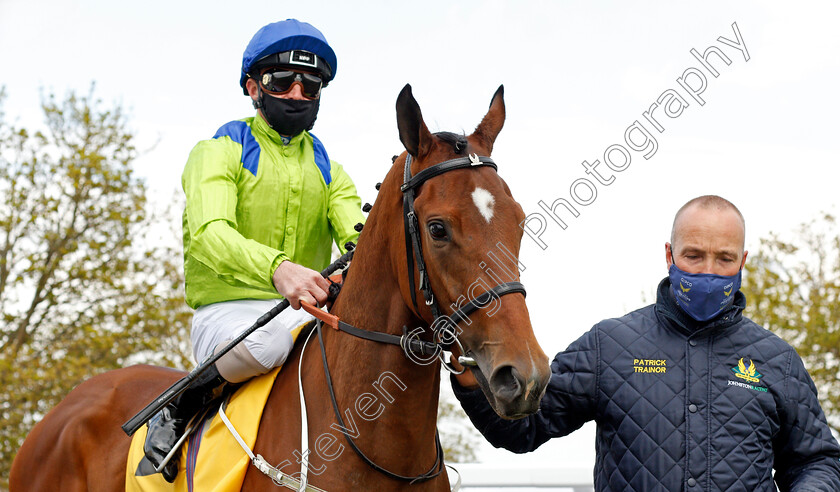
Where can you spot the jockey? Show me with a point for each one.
(263, 205)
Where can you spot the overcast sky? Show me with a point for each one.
(577, 75)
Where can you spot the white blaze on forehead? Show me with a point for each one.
(484, 200)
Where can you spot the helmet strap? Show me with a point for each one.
(258, 102)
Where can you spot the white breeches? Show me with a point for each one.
(263, 350)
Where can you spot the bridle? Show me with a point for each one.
(412, 234)
(409, 343)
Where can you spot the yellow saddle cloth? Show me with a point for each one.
(217, 463)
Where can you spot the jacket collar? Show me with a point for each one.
(666, 307)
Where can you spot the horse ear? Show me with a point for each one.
(493, 121)
(414, 135)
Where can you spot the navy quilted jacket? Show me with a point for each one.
(681, 406)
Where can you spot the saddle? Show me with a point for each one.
(211, 459)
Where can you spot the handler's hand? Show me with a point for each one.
(466, 378)
(298, 283)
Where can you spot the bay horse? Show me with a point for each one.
(461, 216)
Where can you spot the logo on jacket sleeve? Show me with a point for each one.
(746, 373)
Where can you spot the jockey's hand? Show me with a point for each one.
(466, 378)
(298, 283)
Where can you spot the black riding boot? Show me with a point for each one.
(168, 425)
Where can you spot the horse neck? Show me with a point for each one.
(371, 299)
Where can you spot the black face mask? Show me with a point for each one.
(288, 117)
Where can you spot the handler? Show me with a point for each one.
(687, 394)
(263, 206)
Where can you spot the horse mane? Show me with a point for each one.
(457, 141)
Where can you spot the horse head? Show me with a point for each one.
(468, 226)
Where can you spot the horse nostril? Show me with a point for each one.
(506, 383)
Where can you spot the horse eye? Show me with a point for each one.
(438, 231)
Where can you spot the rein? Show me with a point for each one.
(407, 342)
(436, 469)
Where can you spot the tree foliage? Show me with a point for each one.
(85, 283)
(793, 289)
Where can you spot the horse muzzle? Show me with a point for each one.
(512, 394)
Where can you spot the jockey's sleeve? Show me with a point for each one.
(344, 210)
(210, 220)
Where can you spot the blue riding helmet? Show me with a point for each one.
(289, 42)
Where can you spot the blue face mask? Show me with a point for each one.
(703, 295)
